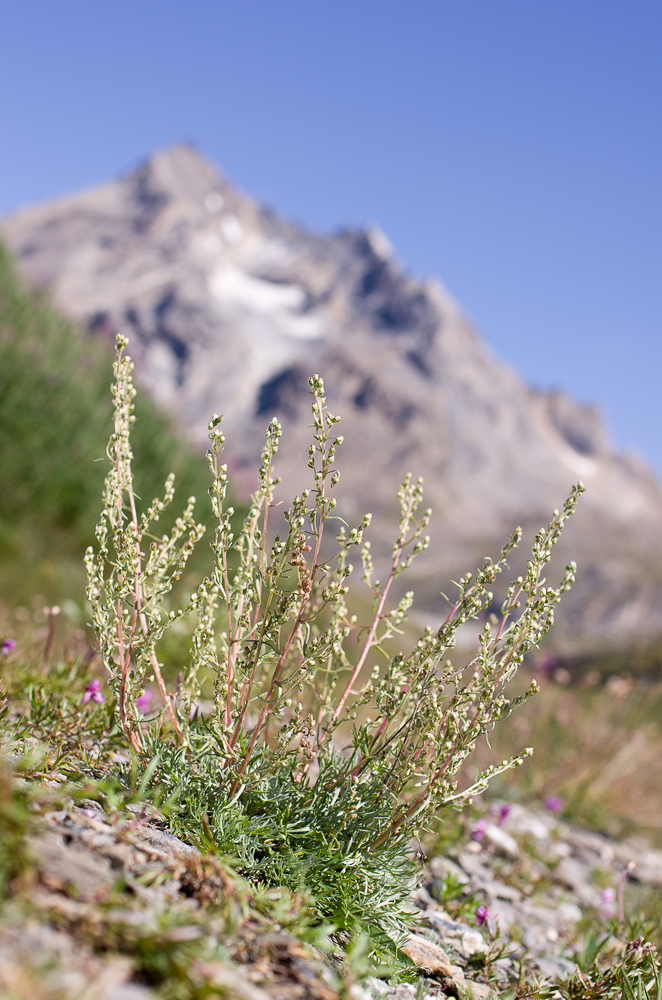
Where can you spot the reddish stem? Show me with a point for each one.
(375, 622)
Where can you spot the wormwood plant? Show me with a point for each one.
(323, 753)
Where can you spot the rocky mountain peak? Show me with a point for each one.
(229, 308)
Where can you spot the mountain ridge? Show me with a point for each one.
(229, 308)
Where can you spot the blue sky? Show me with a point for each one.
(511, 148)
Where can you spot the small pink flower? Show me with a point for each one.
(478, 831)
(483, 916)
(93, 692)
(554, 803)
(8, 645)
(144, 701)
(608, 903)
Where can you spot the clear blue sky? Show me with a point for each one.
(511, 148)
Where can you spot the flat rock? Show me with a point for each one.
(468, 989)
(441, 867)
(38, 962)
(501, 841)
(427, 955)
(521, 822)
(553, 967)
(63, 866)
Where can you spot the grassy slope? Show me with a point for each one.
(55, 414)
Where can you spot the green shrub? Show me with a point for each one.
(323, 754)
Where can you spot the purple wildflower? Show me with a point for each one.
(554, 803)
(478, 831)
(93, 692)
(144, 701)
(482, 915)
(504, 813)
(7, 646)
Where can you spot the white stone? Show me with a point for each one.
(521, 821)
(570, 913)
(501, 841)
(472, 942)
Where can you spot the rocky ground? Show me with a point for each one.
(539, 888)
(115, 908)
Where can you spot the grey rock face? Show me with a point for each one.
(229, 308)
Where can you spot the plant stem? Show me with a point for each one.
(375, 621)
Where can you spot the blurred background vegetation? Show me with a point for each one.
(55, 417)
(597, 751)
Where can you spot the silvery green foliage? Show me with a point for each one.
(305, 691)
(126, 586)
